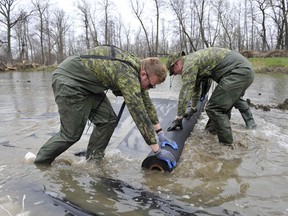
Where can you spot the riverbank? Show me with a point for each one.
(275, 61)
(275, 65)
(268, 63)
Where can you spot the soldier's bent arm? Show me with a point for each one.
(133, 96)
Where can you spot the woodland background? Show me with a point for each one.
(37, 32)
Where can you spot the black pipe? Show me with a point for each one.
(179, 136)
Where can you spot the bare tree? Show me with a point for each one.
(213, 25)
(246, 24)
(164, 40)
(84, 7)
(178, 7)
(238, 35)
(118, 32)
(200, 10)
(157, 6)
(22, 39)
(279, 9)
(138, 11)
(61, 27)
(223, 13)
(263, 6)
(285, 12)
(106, 20)
(127, 32)
(93, 30)
(50, 42)
(252, 23)
(9, 20)
(41, 8)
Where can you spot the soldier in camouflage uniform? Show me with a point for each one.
(233, 73)
(79, 83)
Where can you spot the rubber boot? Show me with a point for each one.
(248, 118)
(210, 127)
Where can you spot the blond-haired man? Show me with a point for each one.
(79, 85)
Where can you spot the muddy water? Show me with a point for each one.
(250, 179)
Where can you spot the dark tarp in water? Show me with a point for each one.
(146, 202)
(142, 201)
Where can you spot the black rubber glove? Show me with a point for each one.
(188, 114)
(176, 123)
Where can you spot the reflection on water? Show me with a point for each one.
(105, 195)
(250, 179)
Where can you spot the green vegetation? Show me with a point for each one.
(270, 65)
(263, 65)
(269, 62)
(163, 60)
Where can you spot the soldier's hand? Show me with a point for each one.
(175, 124)
(166, 156)
(189, 113)
(163, 140)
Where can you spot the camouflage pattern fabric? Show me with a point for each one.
(98, 75)
(79, 80)
(172, 58)
(233, 73)
(198, 67)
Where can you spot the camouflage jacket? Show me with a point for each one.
(107, 67)
(203, 65)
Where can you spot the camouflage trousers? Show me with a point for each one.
(228, 91)
(75, 106)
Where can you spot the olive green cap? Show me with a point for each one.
(172, 58)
